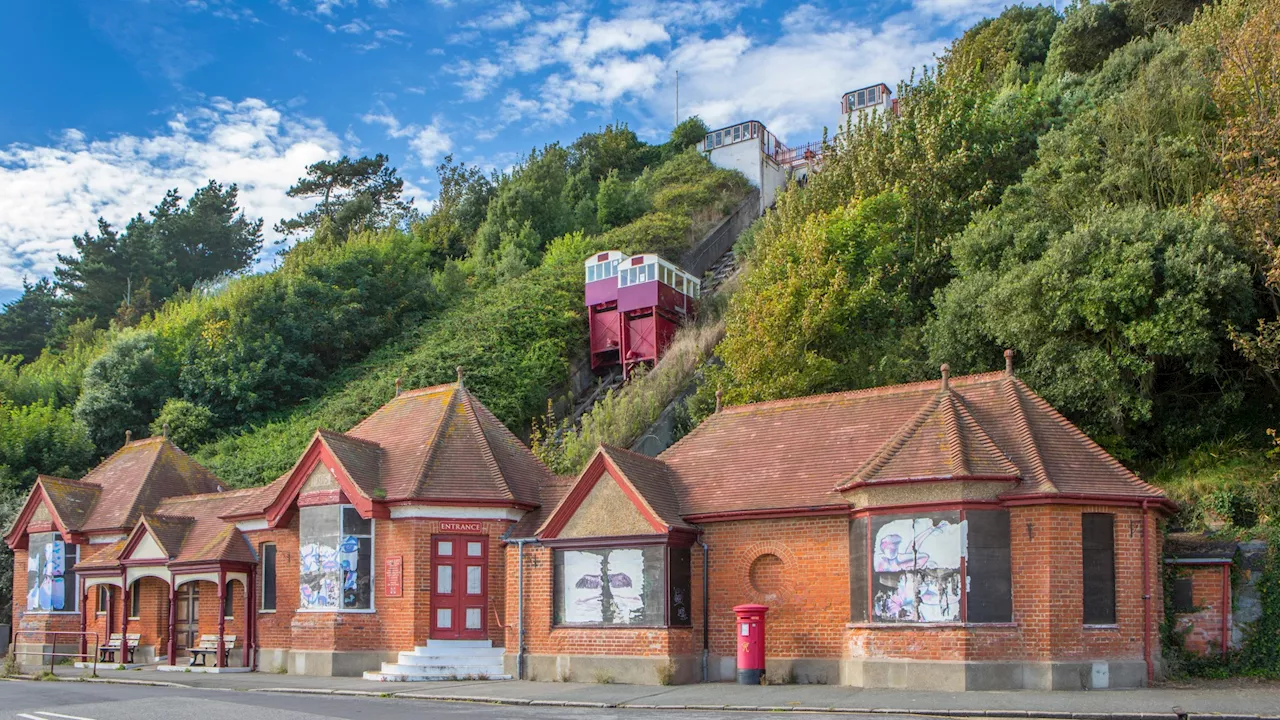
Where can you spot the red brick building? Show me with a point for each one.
(957, 534)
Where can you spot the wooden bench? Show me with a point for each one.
(113, 647)
(209, 646)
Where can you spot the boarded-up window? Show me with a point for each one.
(680, 588)
(990, 596)
(611, 586)
(1099, 540)
(268, 576)
(859, 567)
(1183, 599)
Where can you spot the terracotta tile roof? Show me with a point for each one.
(170, 531)
(438, 443)
(138, 476)
(549, 497)
(361, 459)
(72, 500)
(211, 537)
(943, 440)
(106, 556)
(652, 481)
(796, 453)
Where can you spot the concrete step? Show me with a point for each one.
(413, 658)
(435, 649)
(398, 677)
(456, 670)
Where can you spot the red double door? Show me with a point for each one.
(459, 587)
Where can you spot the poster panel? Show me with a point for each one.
(916, 568)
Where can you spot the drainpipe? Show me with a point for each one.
(706, 594)
(1146, 598)
(1226, 610)
(520, 609)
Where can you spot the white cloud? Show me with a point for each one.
(508, 16)
(428, 142)
(613, 35)
(966, 11)
(48, 193)
(793, 84)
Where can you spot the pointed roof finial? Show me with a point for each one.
(946, 377)
(128, 436)
(459, 376)
(1008, 362)
(164, 430)
(719, 399)
(397, 387)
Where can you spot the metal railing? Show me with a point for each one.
(53, 646)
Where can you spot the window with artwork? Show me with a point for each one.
(51, 582)
(941, 567)
(268, 576)
(637, 586)
(336, 556)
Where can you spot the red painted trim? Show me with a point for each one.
(195, 566)
(17, 538)
(46, 526)
(317, 452)
(925, 507)
(928, 478)
(769, 513)
(135, 537)
(462, 502)
(1086, 499)
(609, 542)
(587, 481)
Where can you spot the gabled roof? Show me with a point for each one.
(436, 444)
(137, 477)
(68, 503)
(646, 482)
(799, 453)
(169, 532)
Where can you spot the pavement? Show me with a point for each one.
(1226, 700)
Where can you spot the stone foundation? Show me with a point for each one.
(322, 662)
(631, 670)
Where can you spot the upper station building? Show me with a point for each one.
(953, 534)
(769, 164)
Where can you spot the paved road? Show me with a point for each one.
(100, 701)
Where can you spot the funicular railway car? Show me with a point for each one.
(635, 306)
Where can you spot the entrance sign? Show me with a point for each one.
(395, 576)
(455, 526)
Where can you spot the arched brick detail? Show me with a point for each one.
(783, 586)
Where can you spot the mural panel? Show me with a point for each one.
(610, 586)
(50, 581)
(916, 568)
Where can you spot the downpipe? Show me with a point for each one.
(706, 595)
(520, 609)
(1146, 598)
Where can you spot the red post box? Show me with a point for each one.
(750, 632)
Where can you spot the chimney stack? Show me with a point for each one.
(164, 430)
(946, 377)
(1008, 362)
(128, 436)
(397, 387)
(459, 377)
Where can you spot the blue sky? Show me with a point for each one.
(108, 103)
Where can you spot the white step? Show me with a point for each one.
(399, 677)
(434, 650)
(455, 670)
(409, 658)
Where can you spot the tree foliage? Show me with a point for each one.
(351, 195)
